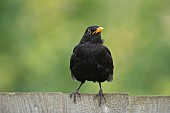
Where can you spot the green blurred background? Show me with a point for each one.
(37, 38)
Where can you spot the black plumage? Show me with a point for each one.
(91, 60)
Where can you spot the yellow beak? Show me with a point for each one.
(99, 29)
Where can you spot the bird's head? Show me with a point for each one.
(93, 35)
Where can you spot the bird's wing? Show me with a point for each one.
(111, 66)
(71, 66)
(72, 61)
(106, 62)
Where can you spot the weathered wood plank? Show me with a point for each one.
(62, 103)
(149, 104)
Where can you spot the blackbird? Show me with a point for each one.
(91, 61)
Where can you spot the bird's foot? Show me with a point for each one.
(74, 95)
(101, 97)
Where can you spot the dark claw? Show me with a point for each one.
(101, 97)
(74, 95)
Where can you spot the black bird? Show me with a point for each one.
(91, 61)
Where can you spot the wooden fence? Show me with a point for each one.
(62, 103)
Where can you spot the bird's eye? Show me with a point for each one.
(89, 31)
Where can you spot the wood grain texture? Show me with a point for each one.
(62, 103)
(149, 104)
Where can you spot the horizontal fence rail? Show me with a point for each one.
(62, 103)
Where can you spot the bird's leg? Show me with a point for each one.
(101, 95)
(76, 93)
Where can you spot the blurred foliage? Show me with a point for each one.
(37, 39)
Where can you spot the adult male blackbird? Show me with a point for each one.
(91, 61)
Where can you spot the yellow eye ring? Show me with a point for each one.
(89, 31)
